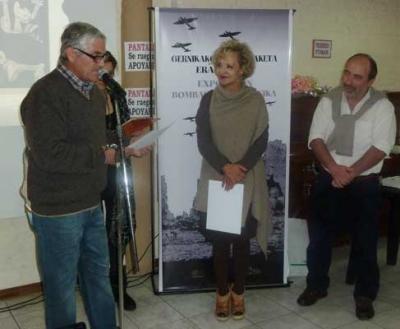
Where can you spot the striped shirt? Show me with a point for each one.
(83, 87)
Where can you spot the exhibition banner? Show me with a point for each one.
(184, 42)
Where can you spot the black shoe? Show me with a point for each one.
(310, 297)
(364, 308)
(129, 303)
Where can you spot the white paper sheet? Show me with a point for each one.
(393, 181)
(149, 138)
(224, 208)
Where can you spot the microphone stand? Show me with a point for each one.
(125, 208)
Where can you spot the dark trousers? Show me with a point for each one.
(222, 243)
(109, 198)
(240, 258)
(354, 208)
(113, 251)
(80, 325)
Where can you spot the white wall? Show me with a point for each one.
(17, 258)
(17, 251)
(11, 146)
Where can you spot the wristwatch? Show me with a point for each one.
(109, 146)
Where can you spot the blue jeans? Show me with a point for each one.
(68, 246)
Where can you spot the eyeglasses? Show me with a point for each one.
(95, 58)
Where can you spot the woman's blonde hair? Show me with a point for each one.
(246, 57)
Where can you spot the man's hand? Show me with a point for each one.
(341, 175)
(137, 153)
(110, 156)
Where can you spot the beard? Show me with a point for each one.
(349, 90)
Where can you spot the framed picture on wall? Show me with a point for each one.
(321, 48)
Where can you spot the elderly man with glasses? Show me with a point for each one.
(63, 115)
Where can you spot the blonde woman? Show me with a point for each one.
(232, 135)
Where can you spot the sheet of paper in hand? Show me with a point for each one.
(224, 208)
(149, 138)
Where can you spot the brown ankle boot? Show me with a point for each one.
(222, 307)
(237, 306)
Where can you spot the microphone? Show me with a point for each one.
(114, 86)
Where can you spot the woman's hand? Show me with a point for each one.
(227, 184)
(233, 174)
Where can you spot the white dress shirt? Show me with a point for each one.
(376, 127)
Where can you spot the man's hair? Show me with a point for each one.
(246, 57)
(78, 35)
(373, 67)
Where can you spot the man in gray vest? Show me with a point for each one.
(353, 129)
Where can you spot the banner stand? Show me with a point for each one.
(184, 41)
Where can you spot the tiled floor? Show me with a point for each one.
(266, 308)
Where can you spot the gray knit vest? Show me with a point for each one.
(342, 137)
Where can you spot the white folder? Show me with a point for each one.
(224, 208)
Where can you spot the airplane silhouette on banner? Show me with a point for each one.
(186, 21)
(229, 34)
(182, 45)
